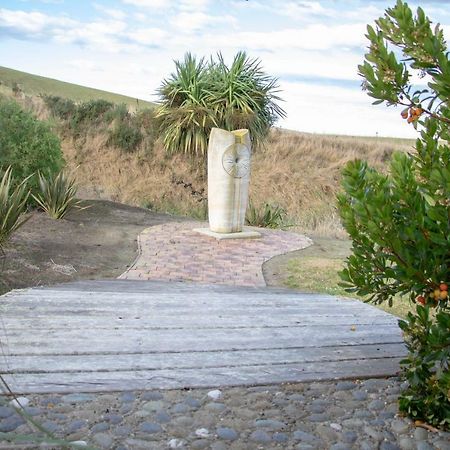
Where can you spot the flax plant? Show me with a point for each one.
(12, 205)
(57, 195)
(265, 216)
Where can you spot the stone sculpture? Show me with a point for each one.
(229, 154)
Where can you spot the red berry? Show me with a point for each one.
(421, 299)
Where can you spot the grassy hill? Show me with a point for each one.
(36, 85)
(300, 172)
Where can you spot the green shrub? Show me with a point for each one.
(145, 120)
(91, 112)
(27, 144)
(265, 216)
(126, 132)
(13, 202)
(16, 88)
(56, 195)
(125, 136)
(427, 370)
(400, 223)
(62, 108)
(117, 112)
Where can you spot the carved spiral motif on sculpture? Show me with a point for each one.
(236, 160)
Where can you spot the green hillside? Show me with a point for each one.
(35, 85)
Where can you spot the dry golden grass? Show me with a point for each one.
(302, 172)
(142, 178)
(299, 171)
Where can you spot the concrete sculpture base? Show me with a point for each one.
(245, 234)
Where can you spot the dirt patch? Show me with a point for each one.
(94, 243)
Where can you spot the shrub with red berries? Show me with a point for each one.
(399, 222)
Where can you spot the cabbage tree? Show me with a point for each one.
(202, 94)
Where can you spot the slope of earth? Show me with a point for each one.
(300, 172)
(97, 242)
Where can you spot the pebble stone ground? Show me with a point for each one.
(327, 415)
(339, 415)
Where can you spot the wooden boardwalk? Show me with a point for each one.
(122, 335)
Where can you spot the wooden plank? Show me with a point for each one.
(180, 289)
(199, 377)
(177, 296)
(321, 331)
(168, 321)
(179, 340)
(145, 300)
(152, 361)
(46, 302)
(122, 285)
(39, 306)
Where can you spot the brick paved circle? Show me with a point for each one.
(173, 251)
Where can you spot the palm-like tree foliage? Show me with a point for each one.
(185, 119)
(243, 96)
(200, 95)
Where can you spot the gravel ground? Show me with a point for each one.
(326, 415)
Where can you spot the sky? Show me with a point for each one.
(313, 47)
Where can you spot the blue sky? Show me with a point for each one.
(128, 46)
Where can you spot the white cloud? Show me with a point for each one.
(111, 12)
(101, 34)
(193, 5)
(107, 35)
(335, 64)
(30, 23)
(302, 9)
(313, 37)
(148, 3)
(182, 5)
(140, 16)
(148, 36)
(85, 65)
(187, 22)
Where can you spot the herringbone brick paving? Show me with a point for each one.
(173, 251)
